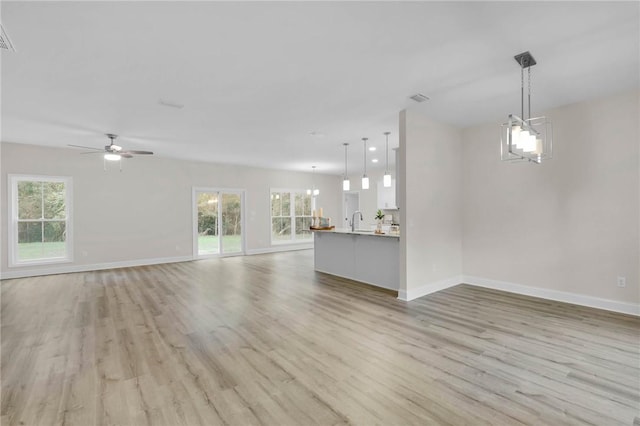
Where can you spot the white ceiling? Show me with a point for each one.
(256, 78)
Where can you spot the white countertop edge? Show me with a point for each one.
(348, 231)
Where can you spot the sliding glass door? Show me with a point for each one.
(218, 220)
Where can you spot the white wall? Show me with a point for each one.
(568, 225)
(430, 205)
(144, 213)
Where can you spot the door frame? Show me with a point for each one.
(345, 224)
(194, 219)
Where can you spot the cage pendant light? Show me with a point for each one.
(526, 139)
(346, 185)
(365, 178)
(386, 179)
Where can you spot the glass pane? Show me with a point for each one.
(303, 204)
(208, 223)
(29, 240)
(231, 223)
(54, 200)
(29, 200)
(276, 204)
(302, 228)
(299, 204)
(54, 239)
(281, 228)
(286, 204)
(307, 205)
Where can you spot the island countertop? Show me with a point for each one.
(356, 232)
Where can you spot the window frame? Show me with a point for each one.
(292, 215)
(13, 219)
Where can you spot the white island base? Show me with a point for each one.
(360, 256)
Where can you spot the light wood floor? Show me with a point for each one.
(265, 340)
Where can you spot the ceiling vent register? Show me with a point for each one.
(419, 97)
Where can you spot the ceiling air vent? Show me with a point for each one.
(419, 97)
(5, 41)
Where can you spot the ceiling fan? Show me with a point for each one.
(113, 152)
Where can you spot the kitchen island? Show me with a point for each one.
(359, 255)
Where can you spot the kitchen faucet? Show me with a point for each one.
(353, 220)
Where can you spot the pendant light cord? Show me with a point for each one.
(522, 88)
(346, 145)
(386, 151)
(529, 89)
(365, 156)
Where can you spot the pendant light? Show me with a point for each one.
(386, 180)
(313, 191)
(345, 181)
(365, 179)
(529, 139)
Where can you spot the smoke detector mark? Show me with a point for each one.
(170, 104)
(5, 41)
(419, 97)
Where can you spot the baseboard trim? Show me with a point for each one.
(67, 269)
(560, 296)
(278, 249)
(23, 273)
(429, 288)
(542, 293)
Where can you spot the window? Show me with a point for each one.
(290, 216)
(40, 227)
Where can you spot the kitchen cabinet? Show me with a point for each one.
(387, 196)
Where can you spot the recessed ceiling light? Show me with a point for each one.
(419, 97)
(375, 160)
(372, 148)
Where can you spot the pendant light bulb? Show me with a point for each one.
(386, 180)
(365, 179)
(346, 185)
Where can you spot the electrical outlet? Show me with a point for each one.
(622, 281)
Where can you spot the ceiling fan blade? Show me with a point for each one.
(131, 151)
(93, 152)
(125, 155)
(86, 147)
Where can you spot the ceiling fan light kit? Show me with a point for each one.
(530, 139)
(112, 157)
(112, 152)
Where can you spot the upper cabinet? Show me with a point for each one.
(387, 196)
